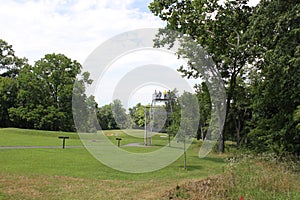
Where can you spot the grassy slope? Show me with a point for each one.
(259, 178)
(75, 174)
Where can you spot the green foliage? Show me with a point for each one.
(137, 115)
(113, 116)
(8, 96)
(106, 118)
(10, 64)
(175, 115)
(257, 53)
(189, 117)
(204, 102)
(277, 88)
(297, 117)
(240, 113)
(84, 107)
(119, 114)
(40, 96)
(44, 98)
(218, 28)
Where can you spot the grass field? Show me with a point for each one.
(73, 173)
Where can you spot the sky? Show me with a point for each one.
(75, 28)
(72, 27)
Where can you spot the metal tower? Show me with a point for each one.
(154, 112)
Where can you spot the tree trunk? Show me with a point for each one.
(221, 148)
(238, 133)
(202, 133)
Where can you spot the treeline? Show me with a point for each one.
(39, 96)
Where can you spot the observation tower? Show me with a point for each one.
(157, 115)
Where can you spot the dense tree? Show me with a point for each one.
(297, 117)
(119, 113)
(8, 96)
(113, 116)
(219, 28)
(45, 94)
(174, 118)
(274, 33)
(10, 65)
(106, 118)
(240, 112)
(137, 115)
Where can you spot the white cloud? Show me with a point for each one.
(72, 27)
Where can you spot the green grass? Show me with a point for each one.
(136, 136)
(82, 170)
(23, 137)
(73, 173)
(79, 163)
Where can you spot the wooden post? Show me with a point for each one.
(64, 138)
(119, 139)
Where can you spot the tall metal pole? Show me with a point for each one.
(168, 117)
(145, 125)
(153, 104)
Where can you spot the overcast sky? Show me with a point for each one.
(72, 27)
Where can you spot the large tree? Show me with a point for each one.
(274, 33)
(45, 94)
(219, 28)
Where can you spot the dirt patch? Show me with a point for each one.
(197, 190)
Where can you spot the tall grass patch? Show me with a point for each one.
(247, 177)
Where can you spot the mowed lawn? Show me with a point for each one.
(73, 173)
